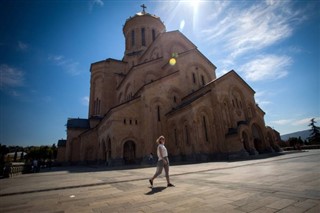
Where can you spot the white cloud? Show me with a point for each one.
(304, 121)
(241, 30)
(22, 46)
(296, 122)
(266, 67)
(67, 64)
(93, 3)
(259, 94)
(85, 100)
(10, 77)
(263, 103)
(282, 121)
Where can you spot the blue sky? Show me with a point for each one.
(46, 48)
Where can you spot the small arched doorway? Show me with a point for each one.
(129, 152)
(257, 138)
(245, 140)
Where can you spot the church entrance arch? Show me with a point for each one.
(257, 138)
(129, 152)
(245, 140)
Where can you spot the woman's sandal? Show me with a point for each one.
(170, 185)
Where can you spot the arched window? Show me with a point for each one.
(193, 78)
(96, 106)
(143, 37)
(132, 38)
(205, 128)
(158, 113)
(202, 80)
(153, 35)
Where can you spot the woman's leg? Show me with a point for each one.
(166, 170)
(159, 170)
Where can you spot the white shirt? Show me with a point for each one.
(163, 150)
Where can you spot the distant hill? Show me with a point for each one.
(303, 134)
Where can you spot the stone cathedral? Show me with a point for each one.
(164, 86)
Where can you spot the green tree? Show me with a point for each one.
(314, 132)
(54, 151)
(3, 151)
(294, 142)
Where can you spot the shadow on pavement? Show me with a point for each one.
(101, 168)
(155, 190)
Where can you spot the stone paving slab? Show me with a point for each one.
(285, 183)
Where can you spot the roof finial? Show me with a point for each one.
(143, 8)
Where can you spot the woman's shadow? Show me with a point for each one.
(155, 190)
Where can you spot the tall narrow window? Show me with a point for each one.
(158, 113)
(205, 128)
(194, 78)
(132, 38)
(96, 106)
(143, 37)
(202, 79)
(153, 35)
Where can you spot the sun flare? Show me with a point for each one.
(194, 3)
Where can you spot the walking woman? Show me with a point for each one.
(163, 161)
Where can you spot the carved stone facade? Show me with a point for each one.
(165, 86)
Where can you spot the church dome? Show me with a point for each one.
(141, 30)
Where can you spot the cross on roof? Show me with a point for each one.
(143, 8)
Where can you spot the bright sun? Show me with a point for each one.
(194, 3)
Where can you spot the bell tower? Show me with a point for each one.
(139, 32)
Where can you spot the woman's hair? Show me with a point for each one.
(158, 140)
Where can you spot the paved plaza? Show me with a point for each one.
(285, 183)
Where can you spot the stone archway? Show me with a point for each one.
(107, 152)
(258, 138)
(272, 144)
(245, 140)
(129, 152)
